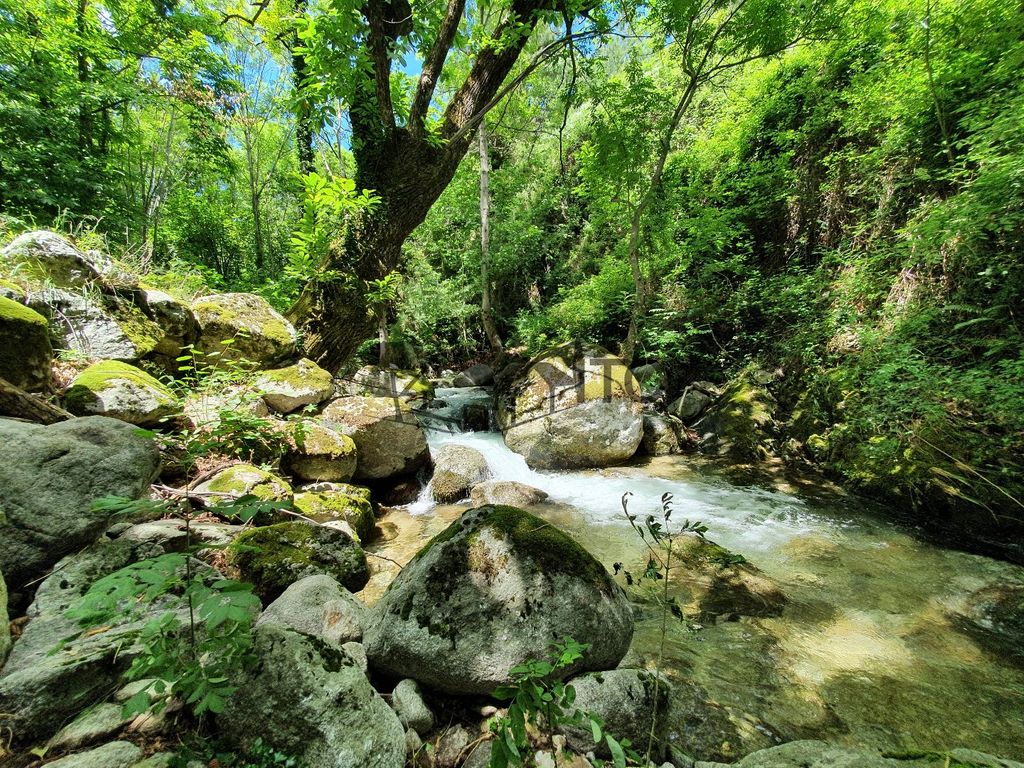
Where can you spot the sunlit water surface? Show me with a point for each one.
(864, 652)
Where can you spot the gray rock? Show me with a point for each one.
(47, 686)
(457, 468)
(479, 375)
(408, 702)
(116, 754)
(507, 492)
(109, 329)
(357, 653)
(288, 389)
(171, 534)
(49, 477)
(741, 423)
(320, 607)
(311, 700)
(660, 437)
(174, 318)
(389, 440)
(48, 257)
(450, 745)
(629, 702)
(160, 760)
(493, 590)
(696, 399)
(96, 724)
(257, 332)
(476, 417)
(319, 454)
(25, 352)
(373, 381)
(816, 754)
(568, 412)
(123, 392)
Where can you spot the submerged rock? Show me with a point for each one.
(507, 492)
(389, 440)
(121, 391)
(570, 411)
(457, 468)
(274, 557)
(254, 330)
(994, 617)
(318, 606)
(312, 700)
(49, 478)
(493, 590)
(288, 389)
(25, 352)
(721, 583)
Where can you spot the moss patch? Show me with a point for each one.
(353, 507)
(276, 556)
(25, 350)
(103, 375)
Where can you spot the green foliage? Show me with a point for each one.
(192, 627)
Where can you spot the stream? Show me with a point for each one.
(864, 652)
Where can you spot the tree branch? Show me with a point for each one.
(434, 63)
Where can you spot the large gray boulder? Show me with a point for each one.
(45, 684)
(629, 702)
(572, 410)
(317, 453)
(312, 700)
(320, 607)
(696, 399)
(49, 477)
(479, 375)
(256, 332)
(107, 329)
(389, 440)
(25, 352)
(121, 391)
(493, 590)
(457, 468)
(47, 257)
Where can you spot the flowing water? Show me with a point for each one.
(864, 651)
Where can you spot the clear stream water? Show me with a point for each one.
(864, 652)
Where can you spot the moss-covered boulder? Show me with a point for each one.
(307, 698)
(174, 317)
(25, 352)
(741, 423)
(572, 409)
(288, 389)
(389, 440)
(121, 391)
(95, 326)
(494, 589)
(274, 557)
(457, 468)
(46, 257)
(342, 506)
(317, 453)
(254, 330)
(205, 408)
(240, 480)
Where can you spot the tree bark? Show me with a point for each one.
(406, 170)
(485, 242)
(303, 113)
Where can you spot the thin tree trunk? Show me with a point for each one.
(485, 241)
(84, 115)
(303, 114)
(382, 336)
